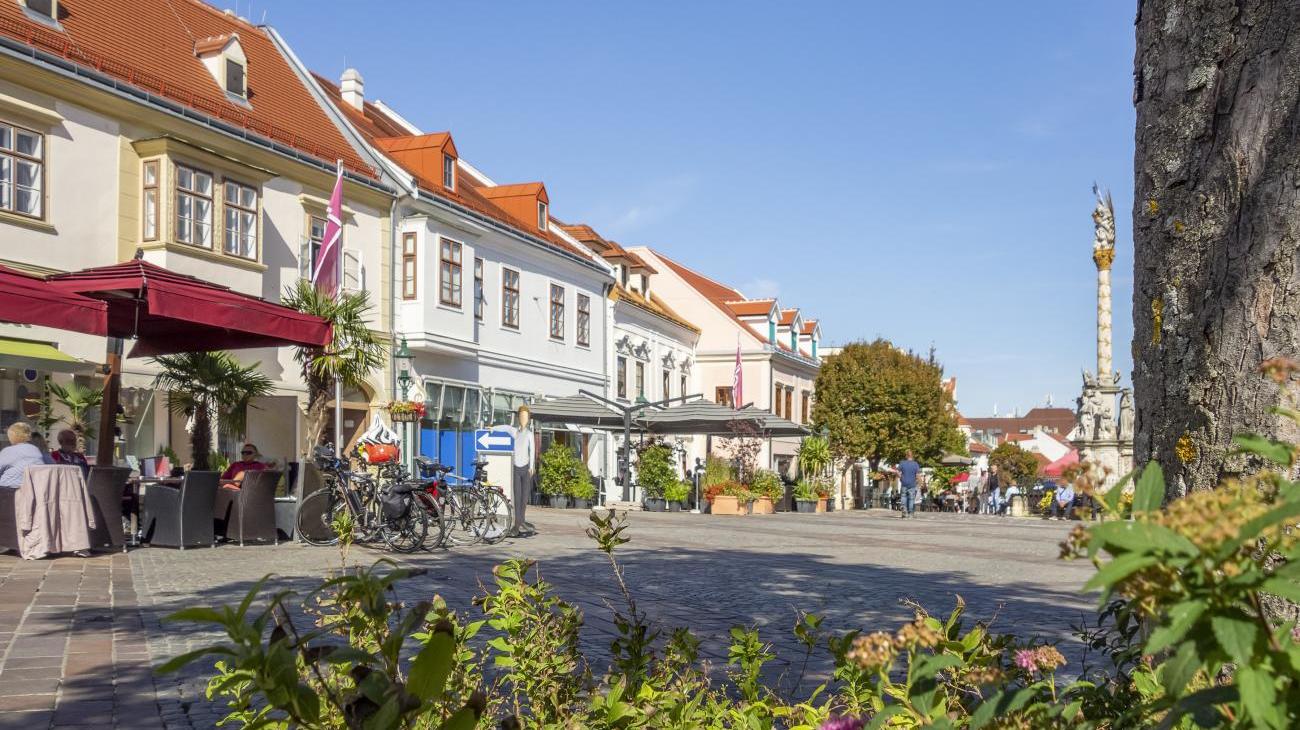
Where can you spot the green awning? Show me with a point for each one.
(40, 356)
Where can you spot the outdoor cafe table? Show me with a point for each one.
(139, 487)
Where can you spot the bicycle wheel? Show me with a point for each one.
(405, 534)
(316, 517)
(437, 534)
(492, 517)
(458, 508)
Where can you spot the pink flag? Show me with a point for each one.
(738, 383)
(325, 269)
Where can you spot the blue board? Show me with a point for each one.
(491, 440)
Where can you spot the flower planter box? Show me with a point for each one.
(404, 417)
(675, 506)
(822, 504)
(560, 501)
(762, 506)
(652, 504)
(806, 506)
(726, 505)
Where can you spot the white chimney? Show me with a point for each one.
(353, 87)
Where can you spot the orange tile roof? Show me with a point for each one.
(150, 44)
(390, 136)
(787, 317)
(654, 306)
(718, 294)
(809, 326)
(751, 307)
(606, 248)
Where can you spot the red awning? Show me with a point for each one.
(1055, 468)
(166, 312)
(959, 478)
(28, 299)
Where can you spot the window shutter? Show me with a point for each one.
(352, 270)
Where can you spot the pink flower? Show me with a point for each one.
(1027, 660)
(842, 723)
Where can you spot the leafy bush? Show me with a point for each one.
(814, 456)
(716, 471)
(655, 471)
(805, 491)
(768, 484)
(677, 491)
(583, 488)
(1182, 624)
(561, 472)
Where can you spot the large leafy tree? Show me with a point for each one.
(878, 401)
(206, 386)
(354, 352)
(1015, 462)
(1217, 91)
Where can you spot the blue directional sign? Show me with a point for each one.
(487, 439)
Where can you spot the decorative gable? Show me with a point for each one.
(431, 157)
(224, 58)
(527, 203)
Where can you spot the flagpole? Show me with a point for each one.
(338, 417)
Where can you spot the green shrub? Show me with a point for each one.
(655, 471)
(814, 456)
(561, 472)
(583, 488)
(805, 491)
(677, 491)
(768, 484)
(716, 471)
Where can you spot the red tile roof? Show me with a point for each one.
(1058, 420)
(150, 44)
(751, 307)
(606, 248)
(652, 305)
(787, 317)
(414, 154)
(809, 326)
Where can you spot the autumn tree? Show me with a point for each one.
(877, 402)
(1020, 465)
(1216, 225)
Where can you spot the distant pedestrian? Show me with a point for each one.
(991, 487)
(908, 470)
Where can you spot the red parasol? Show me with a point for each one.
(28, 299)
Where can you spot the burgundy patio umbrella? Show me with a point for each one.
(167, 313)
(26, 299)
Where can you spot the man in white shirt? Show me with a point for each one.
(521, 471)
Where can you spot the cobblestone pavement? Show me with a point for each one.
(72, 646)
(709, 573)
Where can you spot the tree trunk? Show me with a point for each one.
(201, 439)
(1216, 221)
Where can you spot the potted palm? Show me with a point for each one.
(207, 385)
(655, 474)
(767, 489)
(676, 495)
(805, 497)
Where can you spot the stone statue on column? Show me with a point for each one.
(1103, 255)
(1126, 415)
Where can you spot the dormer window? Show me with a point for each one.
(235, 78)
(449, 172)
(541, 215)
(224, 58)
(47, 9)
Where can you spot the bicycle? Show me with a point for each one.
(387, 513)
(471, 508)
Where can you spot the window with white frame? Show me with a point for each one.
(557, 311)
(478, 288)
(44, 8)
(584, 319)
(235, 78)
(240, 208)
(541, 215)
(449, 172)
(640, 380)
(450, 269)
(193, 206)
(311, 247)
(149, 180)
(408, 266)
(620, 385)
(509, 298)
(22, 171)
(667, 385)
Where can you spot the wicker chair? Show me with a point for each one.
(107, 485)
(248, 513)
(181, 517)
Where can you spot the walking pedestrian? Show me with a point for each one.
(994, 486)
(908, 470)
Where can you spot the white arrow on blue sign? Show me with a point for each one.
(486, 439)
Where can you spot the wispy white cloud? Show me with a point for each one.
(761, 289)
(656, 201)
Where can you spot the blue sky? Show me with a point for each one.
(917, 171)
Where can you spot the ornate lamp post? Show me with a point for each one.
(403, 358)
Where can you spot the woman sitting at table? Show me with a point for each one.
(67, 452)
(248, 462)
(18, 455)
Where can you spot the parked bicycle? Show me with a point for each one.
(472, 510)
(378, 511)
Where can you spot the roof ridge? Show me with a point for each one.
(230, 17)
(711, 280)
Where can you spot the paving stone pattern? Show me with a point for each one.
(73, 651)
(74, 641)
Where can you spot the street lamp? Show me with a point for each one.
(403, 358)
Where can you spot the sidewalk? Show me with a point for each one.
(73, 650)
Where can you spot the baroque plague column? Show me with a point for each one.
(1103, 435)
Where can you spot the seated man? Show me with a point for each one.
(248, 462)
(1063, 502)
(68, 453)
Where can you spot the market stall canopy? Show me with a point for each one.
(166, 312)
(26, 299)
(956, 460)
(1056, 468)
(578, 410)
(773, 425)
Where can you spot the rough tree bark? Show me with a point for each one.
(1216, 221)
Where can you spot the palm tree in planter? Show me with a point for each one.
(208, 385)
(351, 356)
(79, 400)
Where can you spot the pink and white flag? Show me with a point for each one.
(325, 270)
(738, 383)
